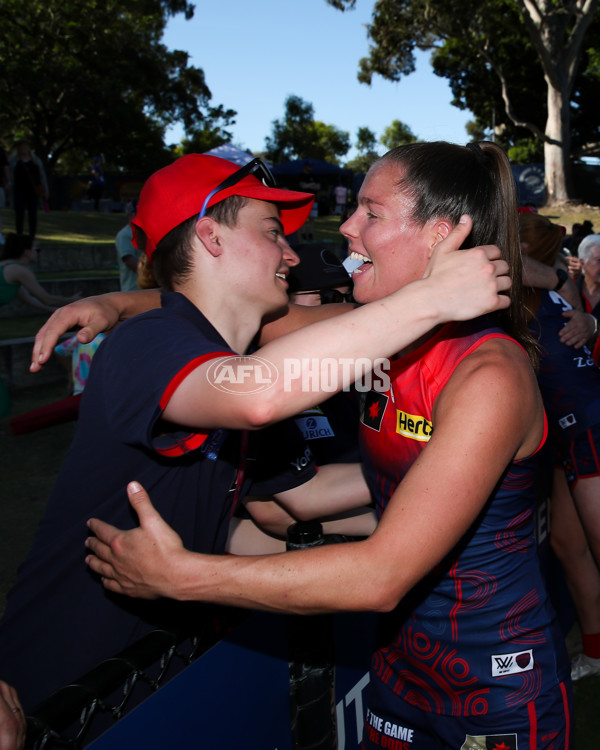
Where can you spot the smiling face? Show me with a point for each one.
(259, 256)
(381, 232)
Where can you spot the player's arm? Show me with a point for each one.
(335, 492)
(94, 315)
(430, 511)
(335, 488)
(459, 286)
(247, 536)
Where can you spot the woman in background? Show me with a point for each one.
(18, 280)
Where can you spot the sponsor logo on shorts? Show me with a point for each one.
(490, 742)
(503, 664)
(413, 426)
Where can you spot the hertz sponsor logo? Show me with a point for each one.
(413, 426)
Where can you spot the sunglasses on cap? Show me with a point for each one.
(256, 167)
(328, 296)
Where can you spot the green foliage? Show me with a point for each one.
(84, 77)
(397, 134)
(526, 151)
(366, 140)
(299, 136)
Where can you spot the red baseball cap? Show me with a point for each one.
(174, 193)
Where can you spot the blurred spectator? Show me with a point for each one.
(318, 277)
(127, 254)
(96, 183)
(578, 232)
(589, 281)
(29, 186)
(76, 358)
(340, 195)
(18, 280)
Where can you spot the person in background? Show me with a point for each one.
(570, 385)
(18, 280)
(96, 182)
(579, 231)
(76, 358)
(128, 255)
(319, 278)
(588, 284)
(29, 186)
(471, 650)
(340, 197)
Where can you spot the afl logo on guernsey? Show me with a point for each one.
(413, 426)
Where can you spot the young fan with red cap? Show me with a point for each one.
(216, 237)
(58, 624)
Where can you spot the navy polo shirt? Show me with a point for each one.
(59, 621)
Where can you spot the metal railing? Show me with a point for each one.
(75, 714)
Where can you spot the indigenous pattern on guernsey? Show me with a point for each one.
(477, 635)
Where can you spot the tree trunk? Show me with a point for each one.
(558, 147)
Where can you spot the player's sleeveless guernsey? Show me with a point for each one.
(477, 635)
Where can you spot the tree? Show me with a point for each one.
(554, 30)
(299, 136)
(397, 134)
(84, 77)
(366, 141)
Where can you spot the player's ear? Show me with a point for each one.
(207, 231)
(440, 229)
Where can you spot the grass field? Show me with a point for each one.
(71, 227)
(76, 227)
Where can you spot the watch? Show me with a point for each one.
(562, 277)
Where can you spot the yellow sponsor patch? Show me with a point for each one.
(413, 426)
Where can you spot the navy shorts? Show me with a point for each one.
(582, 458)
(542, 723)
